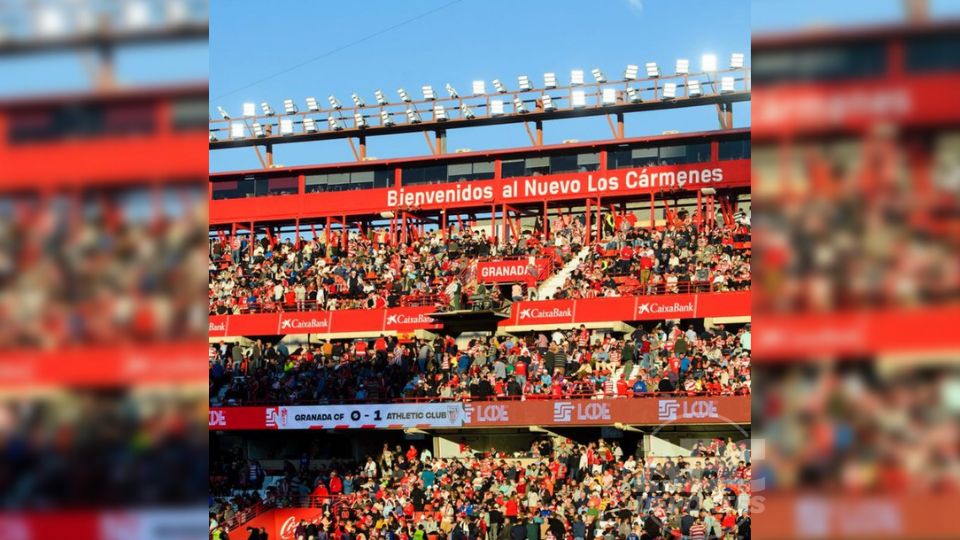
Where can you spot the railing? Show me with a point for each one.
(525, 397)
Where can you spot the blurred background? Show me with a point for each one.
(103, 164)
(856, 170)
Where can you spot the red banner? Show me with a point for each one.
(280, 523)
(649, 411)
(543, 312)
(511, 271)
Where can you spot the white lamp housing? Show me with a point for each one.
(548, 103)
(258, 130)
(578, 99)
(452, 91)
(381, 99)
(576, 77)
(312, 104)
(413, 116)
(404, 97)
(598, 75)
(466, 112)
(289, 107)
(334, 102)
(652, 69)
(524, 83)
(693, 88)
(335, 123)
(309, 125)
(385, 119)
(357, 100)
(439, 113)
(286, 126)
(630, 74)
(249, 109)
(519, 106)
(669, 90)
(632, 95)
(267, 109)
(736, 60)
(238, 130)
(727, 85)
(479, 87)
(496, 107)
(499, 86)
(608, 96)
(359, 121)
(428, 92)
(223, 113)
(708, 62)
(550, 80)
(683, 66)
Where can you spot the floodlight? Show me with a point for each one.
(309, 125)
(708, 62)
(576, 77)
(453, 93)
(524, 82)
(312, 104)
(669, 90)
(736, 60)
(385, 119)
(249, 109)
(439, 113)
(381, 99)
(499, 86)
(136, 14)
(608, 96)
(334, 102)
(727, 85)
(404, 97)
(496, 107)
(413, 116)
(466, 112)
(258, 130)
(428, 92)
(693, 88)
(630, 74)
(578, 98)
(223, 113)
(267, 109)
(683, 66)
(598, 75)
(359, 121)
(479, 88)
(357, 100)
(548, 103)
(238, 130)
(550, 80)
(633, 95)
(213, 137)
(335, 123)
(652, 69)
(286, 126)
(289, 107)
(519, 106)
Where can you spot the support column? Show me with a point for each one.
(546, 221)
(586, 226)
(653, 211)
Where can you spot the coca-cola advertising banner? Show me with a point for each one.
(280, 523)
(646, 411)
(543, 312)
(386, 416)
(555, 187)
(512, 271)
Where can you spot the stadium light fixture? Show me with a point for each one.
(499, 86)
(524, 83)
(519, 106)
(223, 113)
(309, 125)
(404, 96)
(428, 93)
(576, 77)
(238, 130)
(213, 137)
(652, 69)
(286, 126)
(249, 109)
(632, 95)
(359, 121)
(334, 102)
(466, 112)
(258, 130)
(439, 113)
(312, 104)
(452, 91)
(267, 109)
(727, 85)
(736, 60)
(608, 96)
(381, 99)
(385, 119)
(630, 74)
(479, 87)
(548, 103)
(357, 100)
(693, 88)
(550, 80)
(496, 107)
(289, 107)
(413, 116)
(669, 90)
(683, 66)
(708, 63)
(598, 75)
(335, 123)
(578, 99)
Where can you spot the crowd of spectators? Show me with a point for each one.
(677, 258)
(666, 358)
(560, 490)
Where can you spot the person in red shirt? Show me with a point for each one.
(336, 484)
(626, 257)
(412, 454)
(511, 508)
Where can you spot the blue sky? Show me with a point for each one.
(464, 41)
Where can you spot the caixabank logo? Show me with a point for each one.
(663, 308)
(312, 323)
(532, 314)
(399, 319)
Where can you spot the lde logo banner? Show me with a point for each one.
(669, 410)
(565, 411)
